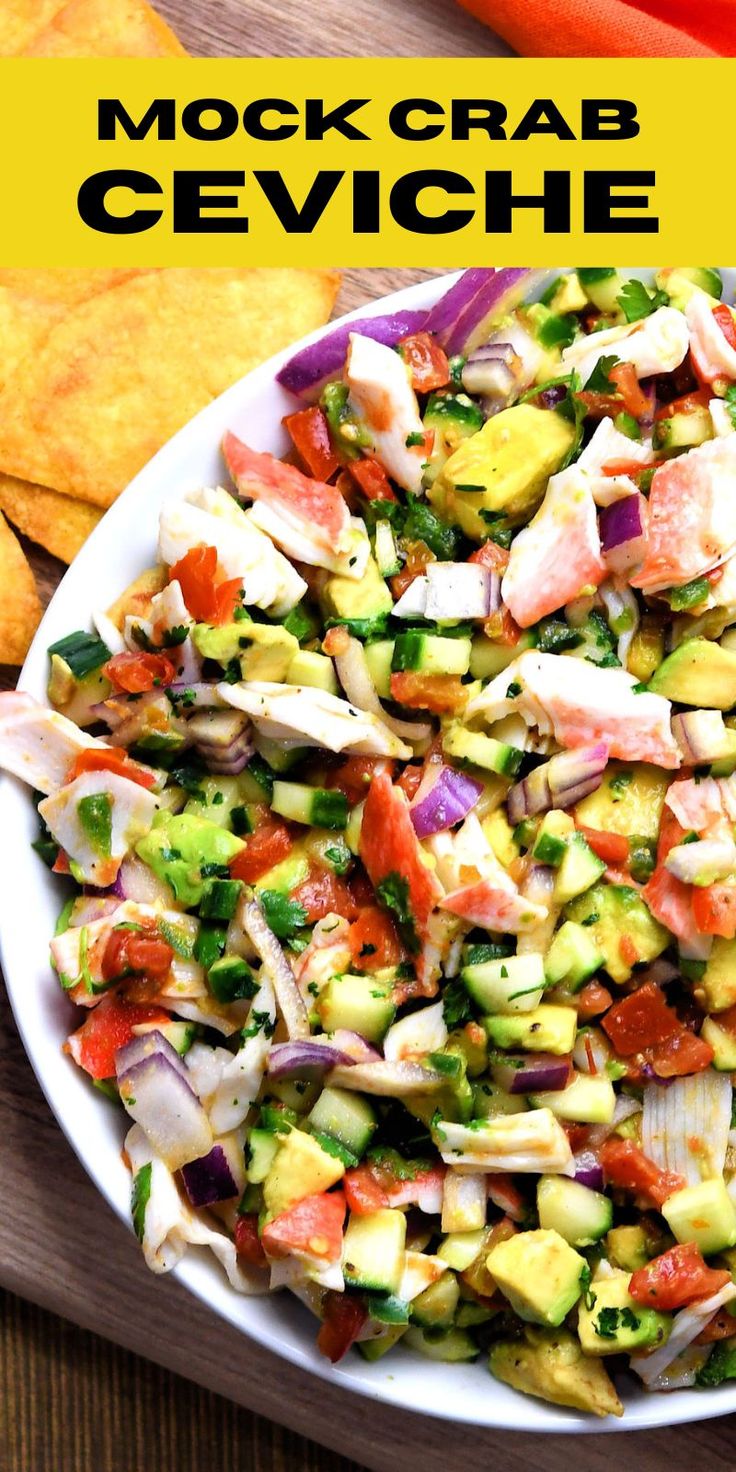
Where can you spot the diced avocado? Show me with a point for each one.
(469, 1314)
(539, 1272)
(681, 281)
(587, 1099)
(613, 912)
(699, 673)
(682, 431)
(550, 844)
(373, 1250)
(480, 750)
(300, 1168)
(285, 876)
(718, 982)
(500, 835)
(221, 641)
(552, 1366)
(547, 1029)
(359, 1003)
(75, 696)
(180, 846)
(320, 807)
(602, 285)
(611, 1322)
(723, 1044)
(579, 869)
(355, 823)
(215, 799)
(435, 1307)
(375, 1349)
(309, 668)
(487, 658)
(452, 418)
(430, 653)
(365, 597)
(703, 1214)
(628, 1248)
(455, 1347)
(515, 984)
(629, 800)
(553, 330)
(263, 1146)
(577, 1213)
(573, 956)
(345, 1116)
(379, 657)
(459, 1249)
(267, 651)
(568, 295)
(508, 462)
(646, 650)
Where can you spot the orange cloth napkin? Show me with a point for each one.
(612, 27)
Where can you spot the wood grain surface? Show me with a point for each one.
(69, 1400)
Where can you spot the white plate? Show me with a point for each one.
(30, 899)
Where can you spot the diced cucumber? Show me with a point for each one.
(278, 757)
(580, 1215)
(452, 1348)
(220, 899)
(310, 668)
(373, 1250)
(550, 844)
(723, 1043)
(453, 418)
(432, 654)
(548, 1029)
(682, 431)
(387, 557)
(378, 657)
(703, 1214)
(180, 1035)
(215, 799)
(482, 751)
(515, 984)
(588, 1099)
(487, 658)
(459, 1249)
(601, 285)
(375, 1349)
(230, 979)
(469, 1314)
(354, 825)
(435, 1307)
(580, 868)
(320, 807)
(358, 1003)
(262, 1147)
(572, 957)
(345, 1116)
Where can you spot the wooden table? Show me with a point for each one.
(71, 1401)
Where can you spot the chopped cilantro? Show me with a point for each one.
(258, 1022)
(456, 1005)
(283, 916)
(599, 381)
(513, 690)
(140, 1196)
(393, 891)
(636, 301)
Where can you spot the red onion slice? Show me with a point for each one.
(559, 783)
(589, 1171)
(532, 1073)
(623, 529)
(209, 1179)
(451, 796)
(168, 1111)
(305, 1060)
(390, 1080)
(310, 369)
(145, 1045)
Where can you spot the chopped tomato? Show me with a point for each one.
(641, 1020)
(721, 1326)
(110, 759)
(310, 435)
(247, 1242)
(107, 1028)
(627, 950)
(409, 780)
(344, 1315)
(363, 1190)
(207, 600)
(492, 556)
(372, 479)
(627, 383)
(592, 1000)
(427, 362)
(625, 1165)
(680, 1276)
(313, 1225)
(324, 893)
(136, 953)
(355, 774)
(714, 910)
(687, 404)
(632, 468)
(270, 843)
(682, 1054)
(724, 318)
(438, 693)
(61, 863)
(612, 848)
(374, 941)
(418, 558)
(136, 673)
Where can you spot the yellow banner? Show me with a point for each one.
(370, 163)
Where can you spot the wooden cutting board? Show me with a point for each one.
(48, 1207)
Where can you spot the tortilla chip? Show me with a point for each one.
(84, 28)
(120, 374)
(58, 523)
(31, 302)
(20, 605)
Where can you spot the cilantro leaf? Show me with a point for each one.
(456, 1005)
(636, 302)
(140, 1195)
(599, 381)
(283, 916)
(393, 891)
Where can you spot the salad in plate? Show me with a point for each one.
(395, 806)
